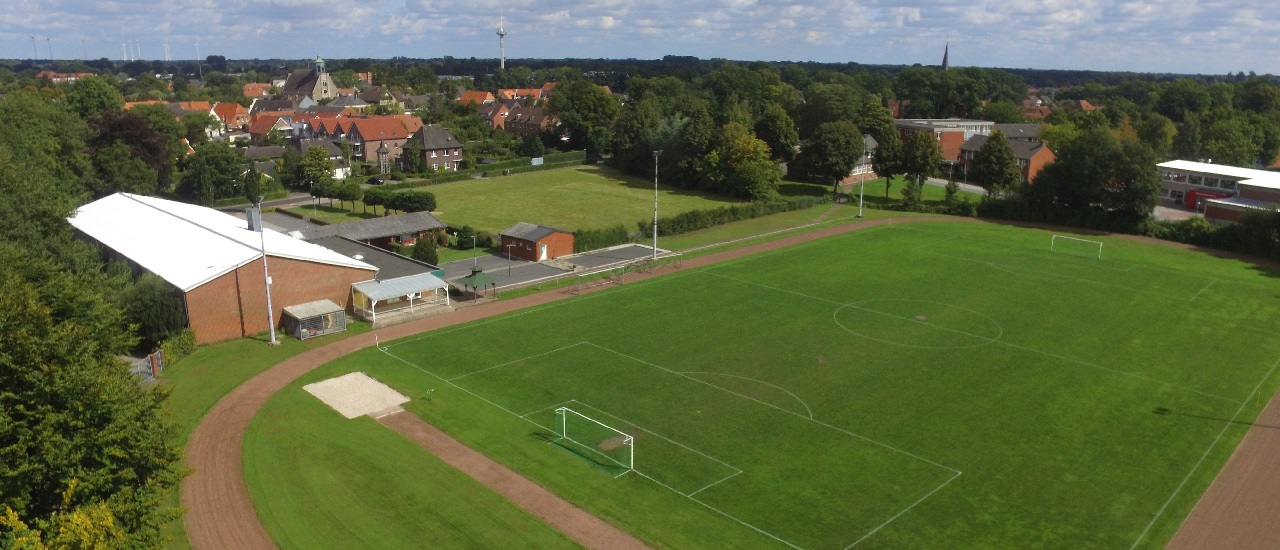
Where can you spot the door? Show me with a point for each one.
(542, 252)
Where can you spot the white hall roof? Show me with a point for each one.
(1249, 176)
(189, 245)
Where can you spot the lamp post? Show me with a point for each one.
(266, 276)
(474, 261)
(655, 203)
(509, 245)
(863, 183)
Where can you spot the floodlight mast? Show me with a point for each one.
(266, 276)
(656, 154)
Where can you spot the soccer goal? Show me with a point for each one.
(1074, 245)
(597, 441)
(600, 277)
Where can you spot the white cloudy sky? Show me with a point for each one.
(1187, 36)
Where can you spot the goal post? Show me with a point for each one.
(598, 441)
(583, 281)
(1075, 245)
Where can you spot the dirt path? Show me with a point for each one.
(588, 530)
(220, 514)
(1239, 510)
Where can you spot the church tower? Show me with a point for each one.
(946, 51)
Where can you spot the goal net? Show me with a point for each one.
(598, 442)
(591, 279)
(1075, 245)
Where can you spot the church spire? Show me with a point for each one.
(946, 51)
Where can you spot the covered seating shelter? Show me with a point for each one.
(423, 289)
(477, 281)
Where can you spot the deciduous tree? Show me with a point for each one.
(995, 167)
(831, 153)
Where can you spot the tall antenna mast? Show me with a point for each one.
(199, 66)
(166, 51)
(502, 37)
(34, 54)
(84, 50)
(49, 43)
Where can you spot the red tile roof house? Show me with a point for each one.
(217, 262)
(257, 89)
(478, 97)
(233, 115)
(536, 243)
(377, 142)
(494, 114)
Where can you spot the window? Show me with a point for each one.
(1175, 195)
(1210, 182)
(435, 166)
(1197, 180)
(1228, 184)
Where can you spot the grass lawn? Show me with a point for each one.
(586, 197)
(924, 385)
(199, 380)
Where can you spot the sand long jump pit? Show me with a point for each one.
(357, 394)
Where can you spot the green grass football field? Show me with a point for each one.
(934, 385)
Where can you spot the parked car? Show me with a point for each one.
(375, 180)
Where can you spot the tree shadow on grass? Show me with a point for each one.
(1164, 411)
(579, 452)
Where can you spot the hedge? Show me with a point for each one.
(179, 346)
(585, 240)
(490, 170)
(702, 219)
(237, 201)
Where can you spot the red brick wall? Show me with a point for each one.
(235, 304)
(1036, 163)
(1259, 193)
(558, 244)
(950, 143)
(1218, 213)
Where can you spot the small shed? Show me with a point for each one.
(313, 319)
(536, 243)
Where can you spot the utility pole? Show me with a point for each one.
(266, 276)
(655, 203)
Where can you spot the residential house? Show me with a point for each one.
(1032, 154)
(349, 103)
(520, 93)
(261, 152)
(495, 113)
(262, 125)
(383, 98)
(257, 89)
(278, 105)
(341, 164)
(529, 121)
(313, 83)
(950, 133)
(234, 116)
(378, 142)
(477, 97)
(437, 147)
(61, 78)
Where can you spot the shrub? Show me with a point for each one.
(594, 239)
(694, 220)
(179, 346)
(425, 251)
(156, 307)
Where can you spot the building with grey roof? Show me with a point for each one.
(381, 231)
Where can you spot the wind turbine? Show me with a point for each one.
(49, 43)
(502, 36)
(34, 54)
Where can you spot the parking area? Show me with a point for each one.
(516, 272)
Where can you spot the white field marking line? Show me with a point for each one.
(856, 306)
(978, 239)
(528, 311)
(1226, 426)
(777, 408)
(792, 248)
(656, 434)
(903, 511)
(832, 221)
(928, 244)
(1116, 371)
(556, 406)
(517, 361)
(726, 478)
(1206, 287)
(997, 340)
(775, 386)
(1015, 270)
(721, 512)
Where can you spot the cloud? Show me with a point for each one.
(1142, 35)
